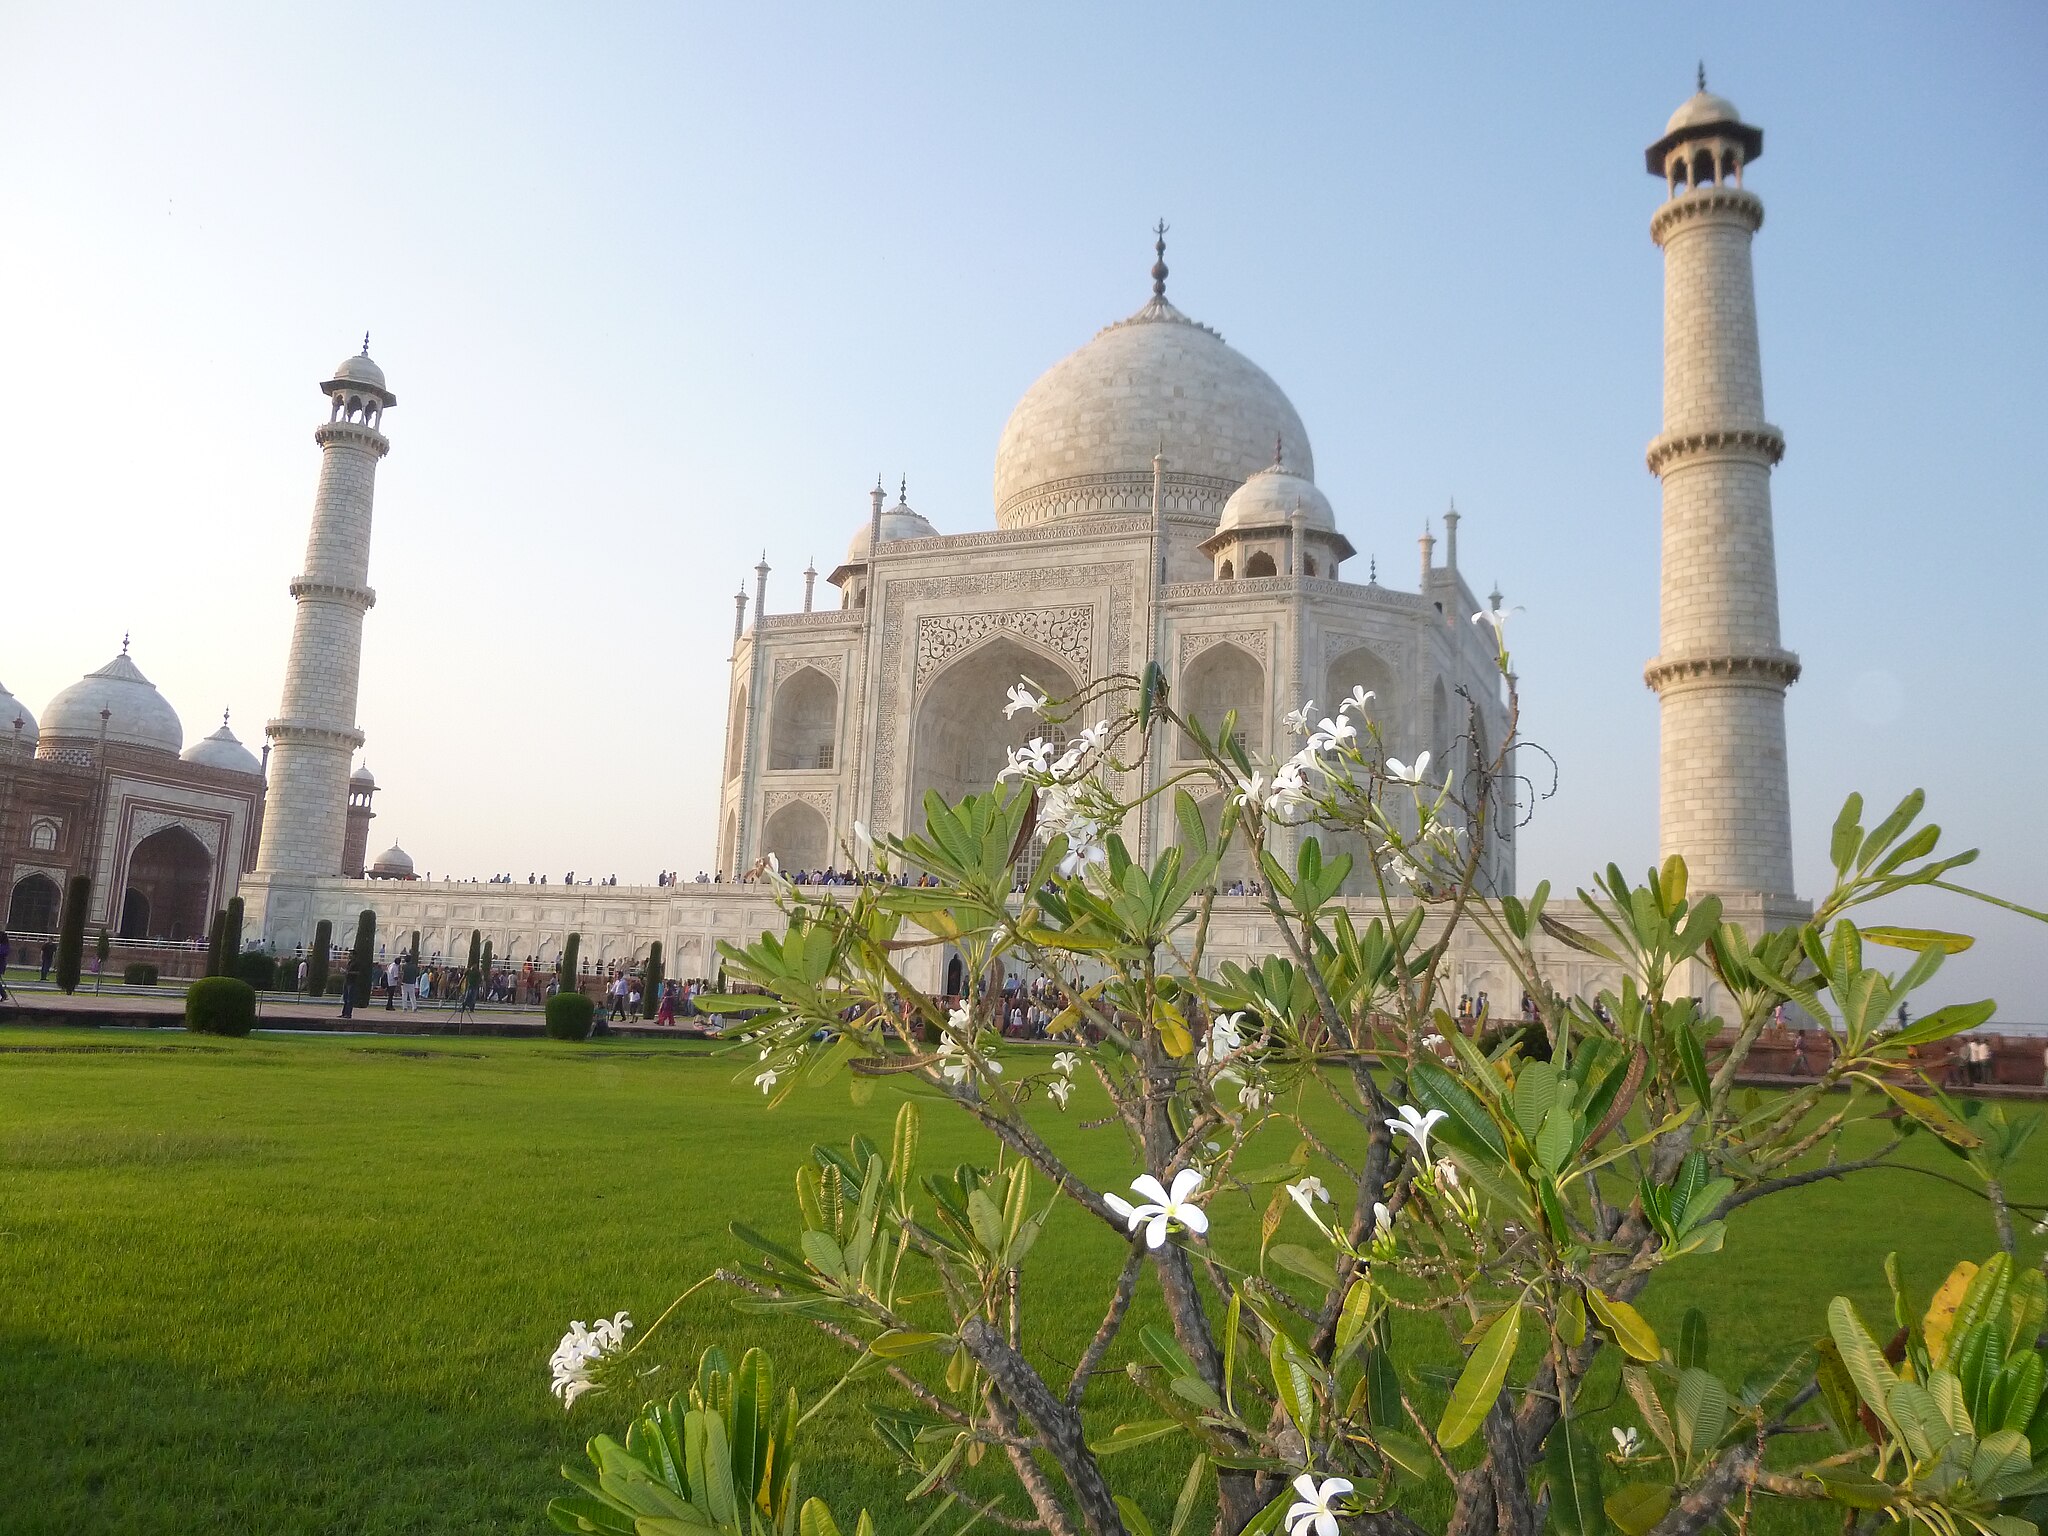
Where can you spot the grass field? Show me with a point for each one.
(309, 1284)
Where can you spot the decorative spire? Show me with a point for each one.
(1159, 266)
(1373, 570)
(366, 343)
(903, 492)
(1703, 74)
(124, 642)
(1279, 452)
(223, 719)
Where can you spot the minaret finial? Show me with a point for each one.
(1373, 566)
(1279, 452)
(366, 343)
(124, 642)
(223, 719)
(1703, 74)
(1159, 266)
(903, 491)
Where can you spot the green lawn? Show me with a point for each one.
(309, 1284)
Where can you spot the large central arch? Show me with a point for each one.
(172, 874)
(798, 837)
(960, 738)
(804, 722)
(1222, 679)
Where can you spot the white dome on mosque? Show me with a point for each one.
(898, 522)
(1083, 437)
(362, 371)
(1270, 497)
(394, 863)
(138, 715)
(1701, 110)
(11, 710)
(222, 750)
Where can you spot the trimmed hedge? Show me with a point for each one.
(570, 1016)
(139, 975)
(220, 1005)
(259, 970)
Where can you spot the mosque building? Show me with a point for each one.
(1155, 503)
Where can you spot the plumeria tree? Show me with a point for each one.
(1512, 1189)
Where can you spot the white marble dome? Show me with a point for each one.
(1703, 109)
(359, 369)
(898, 522)
(224, 751)
(1270, 497)
(141, 717)
(1083, 437)
(394, 863)
(12, 709)
(362, 778)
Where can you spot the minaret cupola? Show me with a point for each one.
(1706, 144)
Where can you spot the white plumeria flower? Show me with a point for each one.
(580, 1349)
(1297, 719)
(960, 1015)
(1065, 1063)
(1251, 792)
(1226, 1039)
(1304, 1191)
(1626, 1441)
(1022, 698)
(1406, 773)
(1163, 1208)
(1382, 1218)
(956, 1066)
(1315, 1513)
(766, 1081)
(1289, 789)
(1337, 730)
(1447, 1172)
(1080, 857)
(1034, 757)
(1404, 869)
(1059, 1090)
(1498, 618)
(1093, 736)
(1254, 1097)
(1412, 1122)
(1360, 697)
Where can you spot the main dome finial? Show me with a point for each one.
(1703, 74)
(1159, 265)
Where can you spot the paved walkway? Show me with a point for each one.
(152, 1007)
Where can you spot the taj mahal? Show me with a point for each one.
(1155, 502)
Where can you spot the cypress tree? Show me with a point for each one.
(71, 932)
(216, 941)
(568, 965)
(650, 989)
(316, 961)
(415, 946)
(361, 957)
(476, 957)
(487, 961)
(231, 941)
(101, 949)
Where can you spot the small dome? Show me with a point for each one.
(1083, 437)
(221, 750)
(12, 709)
(140, 716)
(359, 370)
(1269, 499)
(362, 779)
(394, 863)
(1703, 109)
(898, 522)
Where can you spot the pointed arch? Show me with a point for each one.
(803, 726)
(798, 837)
(736, 733)
(960, 739)
(1223, 678)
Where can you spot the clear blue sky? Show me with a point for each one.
(658, 286)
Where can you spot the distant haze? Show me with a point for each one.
(660, 286)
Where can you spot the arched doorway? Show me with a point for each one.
(805, 721)
(798, 837)
(173, 874)
(962, 739)
(33, 906)
(134, 915)
(736, 734)
(1223, 678)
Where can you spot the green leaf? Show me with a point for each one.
(1575, 1504)
(1919, 939)
(1293, 1383)
(898, 1342)
(824, 1254)
(1480, 1383)
(1134, 1517)
(1638, 1508)
(1692, 1061)
(1305, 1262)
(1699, 1410)
(1406, 1452)
(1858, 1490)
(1141, 1432)
(1626, 1324)
(1692, 1339)
(1184, 1506)
(816, 1520)
(1929, 1113)
(1955, 1019)
(1469, 1128)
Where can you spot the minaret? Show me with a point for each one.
(1720, 673)
(314, 736)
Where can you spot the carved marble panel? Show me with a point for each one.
(1255, 641)
(829, 665)
(148, 822)
(1067, 631)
